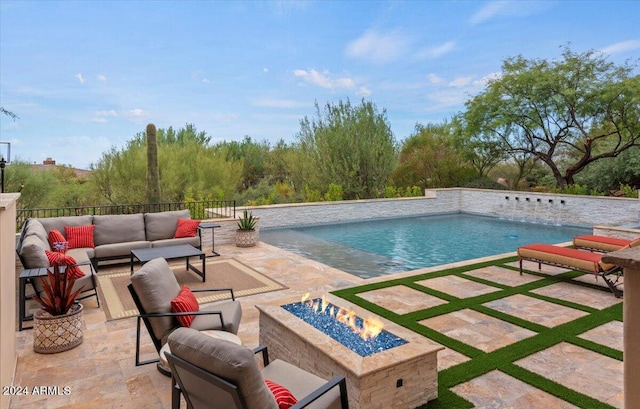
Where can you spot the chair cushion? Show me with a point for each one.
(156, 286)
(186, 228)
(119, 228)
(80, 236)
(579, 259)
(161, 226)
(231, 311)
(301, 383)
(604, 243)
(235, 363)
(185, 301)
(284, 397)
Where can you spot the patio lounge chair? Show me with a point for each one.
(600, 243)
(216, 374)
(574, 259)
(153, 287)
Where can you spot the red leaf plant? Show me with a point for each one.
(58, 291)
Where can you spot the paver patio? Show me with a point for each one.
(101, 371)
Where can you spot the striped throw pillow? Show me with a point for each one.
(80, 236)
(61, 259)
(185, 301)
(283, 396)
(55, 237)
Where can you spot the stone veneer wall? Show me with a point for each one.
(540, 207)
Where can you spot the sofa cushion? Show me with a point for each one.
(231, 311)
(156, 286)
(34, 227)
(80, 236)
(235, 363)
(115, 250)
(118, 228)
(194, 241)
(160, 226)
(58, 223)
(32, 252)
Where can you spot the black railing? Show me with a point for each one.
(209, 209)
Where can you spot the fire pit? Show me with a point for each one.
(397, 369)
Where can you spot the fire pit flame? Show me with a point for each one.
(370, 329)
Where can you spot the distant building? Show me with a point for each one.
(50, 163)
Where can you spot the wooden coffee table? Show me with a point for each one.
(170, 253)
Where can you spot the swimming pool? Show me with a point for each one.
(381, 247)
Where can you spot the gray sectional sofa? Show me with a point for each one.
(114, 236)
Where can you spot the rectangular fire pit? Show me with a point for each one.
(403, 376)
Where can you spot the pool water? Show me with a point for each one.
(381, 247)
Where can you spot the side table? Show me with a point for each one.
(27, 276)
(212, 227)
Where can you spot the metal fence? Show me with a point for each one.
(208, 209)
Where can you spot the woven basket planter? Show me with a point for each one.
(58, 333)
(246, 238)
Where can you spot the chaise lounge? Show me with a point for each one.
(600, 243)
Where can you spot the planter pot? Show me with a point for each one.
(246, 238)
(58, 333)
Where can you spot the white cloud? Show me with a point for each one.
(206, 80)
(276, 103)
(434, 79)
(363, 92)
(137, 115)
(376, 47)
(460, 81)
(621, 47)
(482, 82)
(110, 112)
(79, 78)
(323, 79)
(503, 8)
(265, 70)
(438, 51)
(102, 77)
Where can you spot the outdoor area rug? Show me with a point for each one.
(221, 273)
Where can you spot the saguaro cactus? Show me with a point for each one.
(153, 173)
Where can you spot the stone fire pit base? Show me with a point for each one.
(401, 377)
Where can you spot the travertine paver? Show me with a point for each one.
(401, 299)
(582, 370)
(497, 390)
(609, 334)
(478, 330)
(457, 286)
(448, 358)
(535, 310)
(578, 294)
(504, 276)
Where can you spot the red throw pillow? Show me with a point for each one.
(80, 236)
(186, 228)
(56, 237)
(61, 259)
(185, 301)
(284, 397)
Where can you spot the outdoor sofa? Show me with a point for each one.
(113, 238)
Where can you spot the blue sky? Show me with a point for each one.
(85, 76)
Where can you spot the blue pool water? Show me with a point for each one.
(375, 248)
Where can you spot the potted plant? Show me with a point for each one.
(57, 324)
(247, 235)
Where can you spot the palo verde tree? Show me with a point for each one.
(567, 113)
(348, 146)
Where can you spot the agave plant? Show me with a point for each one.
(247, 221)
(58, 291)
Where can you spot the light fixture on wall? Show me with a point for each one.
(5, 157)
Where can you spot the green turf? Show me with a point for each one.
(502, 359)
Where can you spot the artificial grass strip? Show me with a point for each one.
(503, 359)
